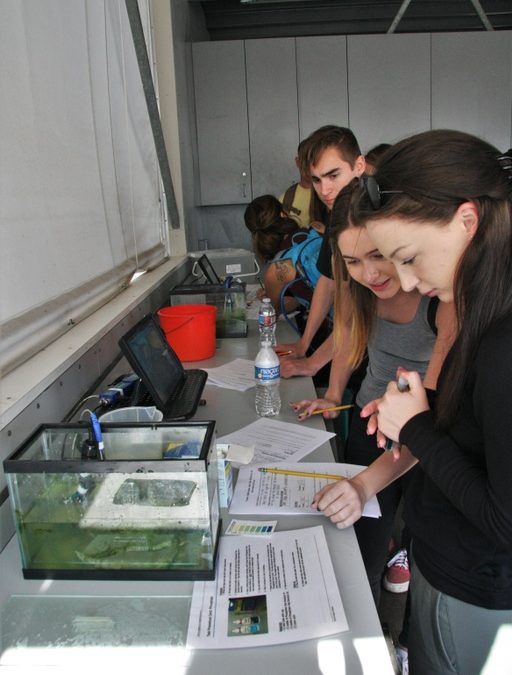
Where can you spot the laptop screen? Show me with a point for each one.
(152, 359)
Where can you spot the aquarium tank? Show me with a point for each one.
(143, 506)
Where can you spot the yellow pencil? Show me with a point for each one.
(306, 474)
(336, 407)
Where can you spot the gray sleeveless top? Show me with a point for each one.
(396, 344)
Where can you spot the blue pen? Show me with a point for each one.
(98, 435)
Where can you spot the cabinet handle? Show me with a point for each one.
(244, 184)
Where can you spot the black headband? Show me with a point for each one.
(374, 192)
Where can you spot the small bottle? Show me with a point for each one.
(267, 322)
(267, 375)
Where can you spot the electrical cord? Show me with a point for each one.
(94, 387)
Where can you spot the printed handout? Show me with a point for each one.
(267, 591)
(260, 493)
(276, 441)
(237, 374)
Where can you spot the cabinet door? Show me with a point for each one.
(273, 118)
(389, 87)
(321, 82)
(221, 114)
(472, 84)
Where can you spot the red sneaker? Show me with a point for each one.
(397, 577)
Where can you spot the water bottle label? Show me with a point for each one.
(267, 374)
(266, 320)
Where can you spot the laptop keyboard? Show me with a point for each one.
(182, 405)
(185, 401)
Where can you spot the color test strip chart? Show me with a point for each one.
(251, 527)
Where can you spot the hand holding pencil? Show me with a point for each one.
(319, 406)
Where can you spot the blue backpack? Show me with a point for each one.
(304, 256)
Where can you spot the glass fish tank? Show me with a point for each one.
(143, 506)
(231, 318)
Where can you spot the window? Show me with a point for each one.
(81, 204)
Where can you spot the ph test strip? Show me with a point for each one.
(251, 527)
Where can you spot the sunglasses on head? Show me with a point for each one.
(374, 192)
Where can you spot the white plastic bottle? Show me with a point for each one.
(267, 375)
(267, 322)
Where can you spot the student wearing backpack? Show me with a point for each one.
(270, 226)
(292, 275)
(289, 253)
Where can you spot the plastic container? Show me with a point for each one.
(133, 414)
(267, 322)
(190, 330)
(267, 376)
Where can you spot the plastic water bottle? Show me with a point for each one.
(267, 322)
(267, 375)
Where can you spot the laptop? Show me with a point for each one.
(174, 390)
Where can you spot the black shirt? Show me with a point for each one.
(459, 505)
(324, 262)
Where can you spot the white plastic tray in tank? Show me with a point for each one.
(103, 513)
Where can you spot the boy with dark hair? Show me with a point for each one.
(331, 157)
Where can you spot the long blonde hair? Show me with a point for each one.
(359, 308)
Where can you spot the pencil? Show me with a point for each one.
(336, 407)
(290, 351)
(306, 474)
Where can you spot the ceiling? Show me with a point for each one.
(245, 19)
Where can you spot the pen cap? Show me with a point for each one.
(402, 384)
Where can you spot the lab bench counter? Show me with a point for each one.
(360, 650)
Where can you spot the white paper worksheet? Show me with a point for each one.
(276, 441)
(268, 493)
(237, 374)
(267, 591)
